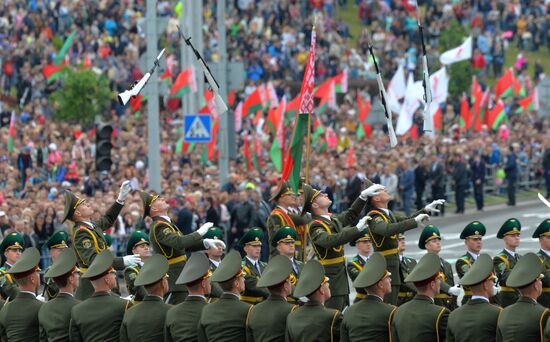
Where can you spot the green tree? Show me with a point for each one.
(461, 72)
(83, 95)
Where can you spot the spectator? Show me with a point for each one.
(406, 186)
(389, 180)
(460, 178)
(477, 167)
(420, 178)
(353, 186)
(511, 170)
(241, 218)
(212, 212)
(546, 166)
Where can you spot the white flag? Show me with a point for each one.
(461, 53)
(397, 89)
(413, 97)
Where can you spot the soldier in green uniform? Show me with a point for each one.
(56, 244)
(19, 317)
(313, 321)
(430, 240)
(225, 320)
(364, 248)
(267, 320)
(99, 317)
(328, 235)
(370, 319)
(167, 240)
(421, 319)
(55, 315)
(543, 234)
(88, 238)
(145, 322)
(526, 319)
(253, 267)
(406, 265)
(11, 247)
(477, 319)
(385, 227)
(472, 235)
(214, 257)
(138, 244)
(183, 319)
(284, 242)
(109, 240)
(505, 261)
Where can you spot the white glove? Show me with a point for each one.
(432, 207)
(496, 290)
(204, 228)
(125, 189)
(372, 190)
(41, 298)
(456, 291)
(363, 223)
(213, 243)
(131, 260)
(128, 298)
(422, 220)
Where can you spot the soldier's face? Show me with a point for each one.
(433, 246)
(13, 254)
(512, 240)
(402, 245)
(288, 200)
(54, 253)
(544, 241)
(322, 201)
(474, 244)
(364, 247)
(142, 250)
(85, 210)
(286, 248)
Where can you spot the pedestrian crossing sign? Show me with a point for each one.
(197, 128)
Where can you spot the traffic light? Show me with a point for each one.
(103, 147)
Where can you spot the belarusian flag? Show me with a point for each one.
(437, 119)
(52, 72)
(272, 99)
(328, 97)
(477, 95)
(11, 133)
(184, 83)
(363, 130)
(504, 85)
(257, 160)
(291, 109)
(183, 147)
(246, 152)
(341, 82)
(239, 117)
(496, 115)
(275, 121)
(253, 102)
(466, 119)
(212, 143)
(60, 56)
(526, 104)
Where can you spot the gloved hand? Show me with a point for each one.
(204, 228)
(496, 290)
(432, 207)
(363, 223)
(456, 291)
(372, 190)
(422, 220)
(125, 189)
(213, 243)
(131, 260)
(41, 298)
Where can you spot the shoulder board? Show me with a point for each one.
(502, 254)
(134, 268)
(355, 258)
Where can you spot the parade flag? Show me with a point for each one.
(239, 117)
(52, 72)
(460, 53)
(466, 119)
(415, 93)
(275, 122)
(363, 130)
(496, 115)
(351, 158)
(397, 89)
(526, 104)
(272, 99)
(504, 85)
(60, 56)
(184, 83)
(477, 96)
(212, 143)
(11, 132)
(437, 118)
(291, 109)
(253, 102)
(246, 151)
(341, 82)
(328, 98)
(257, 160)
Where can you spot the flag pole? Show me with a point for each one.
(308, 145)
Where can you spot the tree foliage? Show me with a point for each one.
(461, 72)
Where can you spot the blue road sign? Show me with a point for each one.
(197, 128)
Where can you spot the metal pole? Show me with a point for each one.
(223, 134)
(190, 22)
(184, 60)
(153, 134)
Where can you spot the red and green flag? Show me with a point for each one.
(185, 83)
(328, 98)
(275, 122)
(253, 102)
(341, 82)
(291, 109)
(11, 132)
(212, 143)
(466, 118)
(363, 129)
(52, 72)
(477, 96)
(504, 85)
(496, 115)
(525, 104)
(351, 157)
(246, 152)
(60, 56)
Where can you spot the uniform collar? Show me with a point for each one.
(253, 262)
(283, 209)
(230, 295)
(88, 223)
(27, 294)
(424, 298)
(65, 294)
(363, 257)
(545, 252)
(101, 294)
(216, 263)
(326, 217)
(513, 254)
(166, 218)
(152, 298)
(197, 298)
(276, 298)
(480, 298)
(374, 297)
(474, 256)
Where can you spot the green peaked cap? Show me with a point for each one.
(195, 268)
(284, 234)
(542, 229)
(309, 195)
(214, 233)
(364, 236)
(473, 229)
(429, 233)
(310, 279)
(253, 237)
(153, 270)
(12, 241)
(278, 269)
(528, 268)
(427, 267)
(230, 266)
(137, 238)
(58, 240)
(510, 226)
(147, 200)
(101, 264)
(480, 271)
(284, 189)
(29, 260)
(373, 271)
(65, 263)
(71, 202)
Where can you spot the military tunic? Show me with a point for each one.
(474, 321)
(54, 317)
(462, 265)
(444, 298)
(267, 320)
(253, 294)
(8, 287)
(355, 265)
(367, 321)
(19, 319)
(145, 322)
(297, 267)
(130, 274)
(406, 291)
(523, 321)
(503, 264)
(216, 291)
(313, 322)
(544, 298)
(279, 218)
(328, 236)
(183, 319)
(224, 320)
(166, 239)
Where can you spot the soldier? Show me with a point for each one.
(138, 244)
(313, 321)
(364, 248)
(214, 257)
(183, 319)
(225, 320)
(421, 319)
(526, 319)
(145, 322)
(253, 267)
(477, 319)
(543, 234)
(267, 320)
(167, 239)
(430, 240)
(88, 238)
(472, 235)
(56, 244)
(328, 235)
(55, 315)
(99, 317)
(19, 318)
(109, 240)
(504, 262)
(370, 319)
(284, 242)
(406, 265)
(385, 227)
(11, 248)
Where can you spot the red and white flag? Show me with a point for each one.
(308, 83)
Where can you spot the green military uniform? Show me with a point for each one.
(406, 291)
(474, 229)
(369, 319)
(183, 319)
(312, 321)
(504, 263)
(421, 319)
(267, 320)
(544, 230)
(55, 315)
(289, 235)
(253, 270)
(145, 322)
(109, 240)
(8, 287)
(168, 240)
(99, 317)
(215, 323)
(356, 264)
(526, 319)
(328, 236)
(131, 272)
(216, 291)
(19, 318)
(88, 240)
(477, 319)
(57, 240)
